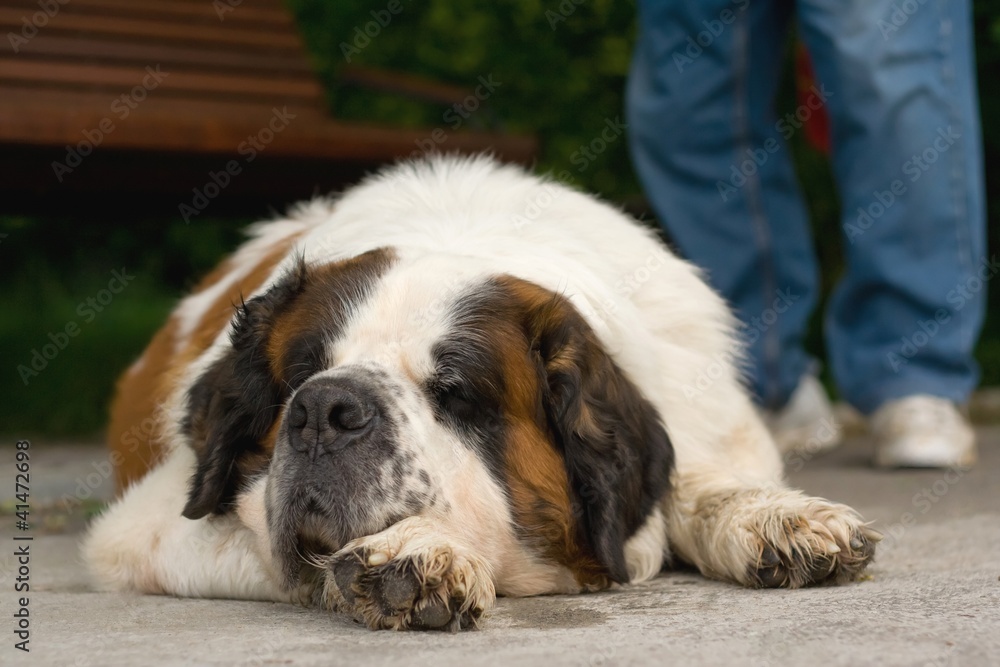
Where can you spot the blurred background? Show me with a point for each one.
(549, 76)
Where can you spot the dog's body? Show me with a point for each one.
(452, 382)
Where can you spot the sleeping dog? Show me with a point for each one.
(452, 382)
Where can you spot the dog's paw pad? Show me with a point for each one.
(347, 570)
(769, 571)
(795, 551)
(432, 590)
(394, 590)
(432, 616)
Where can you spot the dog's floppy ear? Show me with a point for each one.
(234, 403)
(617, 453)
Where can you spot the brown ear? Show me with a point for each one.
(234, 404)
(617, 453)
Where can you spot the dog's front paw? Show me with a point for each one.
(804, 541)
(426, 587)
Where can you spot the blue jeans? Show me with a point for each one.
(898, 80)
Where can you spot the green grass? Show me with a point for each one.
(70, 395)
(48, 268)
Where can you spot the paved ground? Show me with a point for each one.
(933, 598)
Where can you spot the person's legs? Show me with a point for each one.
(713, 160)
(907, 157)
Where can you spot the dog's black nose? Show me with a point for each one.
(329, 414)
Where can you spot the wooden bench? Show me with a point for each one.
(125, 103)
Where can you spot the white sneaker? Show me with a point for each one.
(922, 431)
(806, 424)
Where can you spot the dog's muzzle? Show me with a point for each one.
(325, 485)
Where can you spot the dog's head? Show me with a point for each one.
(379, 388)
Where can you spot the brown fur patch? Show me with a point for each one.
(134, 432)
(328, 295)
(544, 511)
(546, 516)
(587, 458)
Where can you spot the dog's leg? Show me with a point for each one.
(768, 536)
(742, 523)
(415, 574)
(142, 543)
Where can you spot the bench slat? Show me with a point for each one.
(159, 128)
(204, 10)
(223, 34)
(122, 79)
(143, 53)
(97, 104)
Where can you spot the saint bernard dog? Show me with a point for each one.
(452, 382)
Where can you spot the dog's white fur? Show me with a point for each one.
(654, 314)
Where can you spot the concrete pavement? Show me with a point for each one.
(933, 597)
